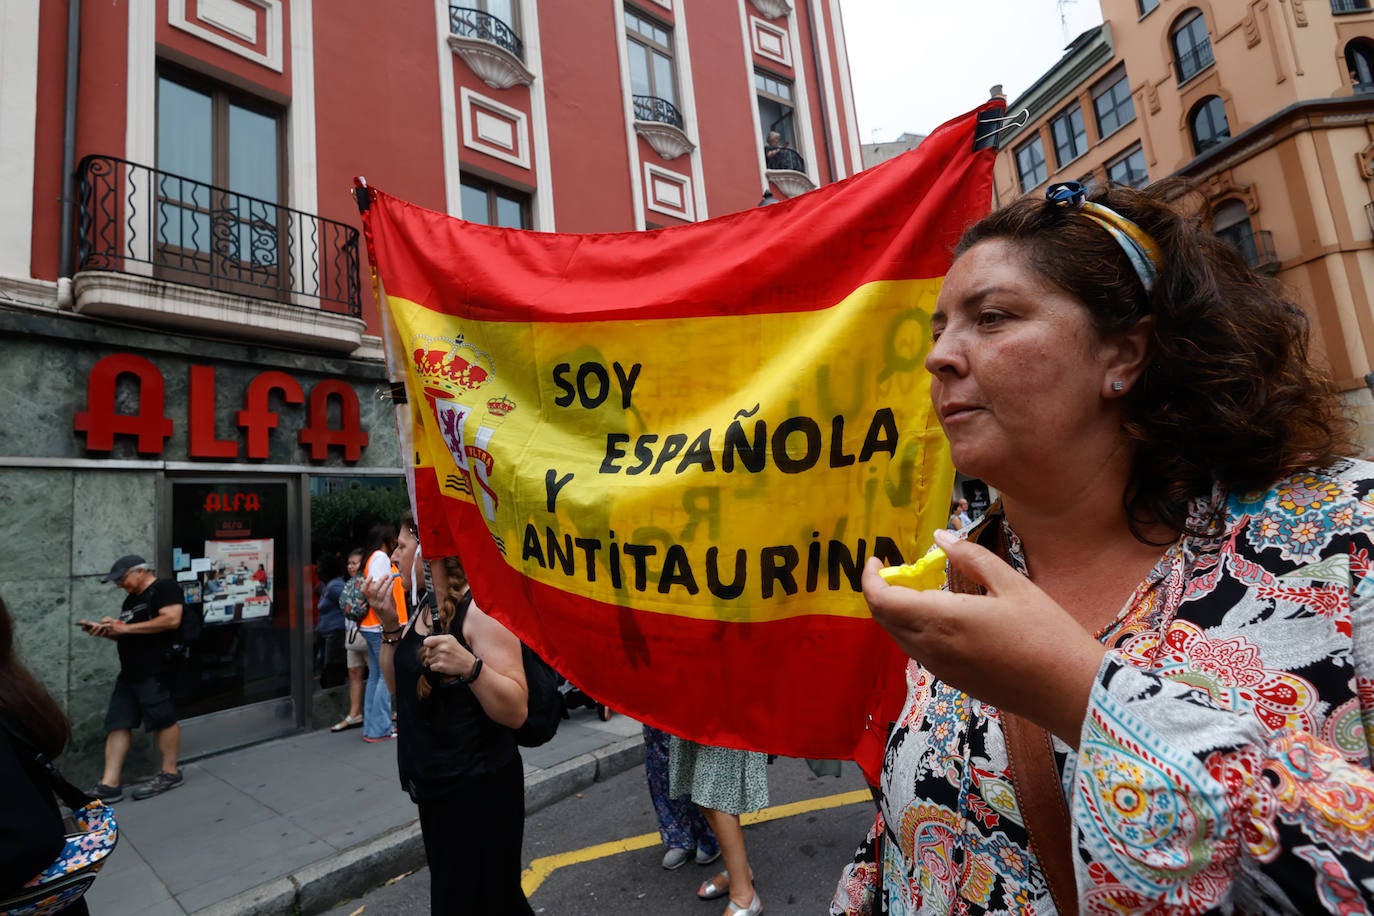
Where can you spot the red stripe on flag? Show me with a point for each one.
(800, 255)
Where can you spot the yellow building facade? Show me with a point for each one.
(1267, 107)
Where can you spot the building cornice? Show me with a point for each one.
(1309, 114)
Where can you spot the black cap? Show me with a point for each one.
(123, 565)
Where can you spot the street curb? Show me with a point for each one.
(349, 874)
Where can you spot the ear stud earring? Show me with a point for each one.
(1118, 385)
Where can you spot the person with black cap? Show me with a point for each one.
(147, 632)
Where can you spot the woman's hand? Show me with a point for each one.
(443, 654)
(378, 593)
(1014, 647)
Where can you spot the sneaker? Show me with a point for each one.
(107, 794)
(674, 858)
(160, 783)
(706, 858)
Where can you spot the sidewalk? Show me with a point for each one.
(308, 821)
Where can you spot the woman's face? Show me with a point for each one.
(1021, 381)
(355, 563)
(404, 554)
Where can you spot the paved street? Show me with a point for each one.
(598, 852)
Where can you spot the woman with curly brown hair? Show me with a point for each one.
(1146, 684)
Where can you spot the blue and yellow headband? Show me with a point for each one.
(1141, 250)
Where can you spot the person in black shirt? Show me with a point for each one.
(147, 632)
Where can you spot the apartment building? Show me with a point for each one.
(1267, 108)
(189, 338)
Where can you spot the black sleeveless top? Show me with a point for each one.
(446, 736)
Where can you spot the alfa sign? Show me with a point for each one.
(150, 427)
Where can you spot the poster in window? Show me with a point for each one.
(242, 571)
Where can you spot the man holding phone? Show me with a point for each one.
(147, 633)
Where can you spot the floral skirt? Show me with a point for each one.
(727, 780)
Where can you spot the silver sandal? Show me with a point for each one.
(709, 890)
(754, 908)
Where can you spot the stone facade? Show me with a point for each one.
(67, 513)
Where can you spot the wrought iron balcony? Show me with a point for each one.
(1193, 62)
(1350, 6)
(782, 157)
(652, 108)
(1258, 251)
(136, 219)
(475, 23)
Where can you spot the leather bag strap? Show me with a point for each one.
(1034, 773)
(1044, 812)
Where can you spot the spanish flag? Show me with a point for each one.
(665, 456)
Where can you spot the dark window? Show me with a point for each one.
(1030, 163)
(1192, 46)
(1359, 59)
(650, 48)
(1208, 124)
(219, 158)
(1146, 6)
(1129, 168)
(1112, 103)
(1349, 6)
(1070, 138)
(1231, 222)
(493, 205)
(774, 98)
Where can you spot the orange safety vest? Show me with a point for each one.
(398, 594)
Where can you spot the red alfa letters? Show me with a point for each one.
(101, 421)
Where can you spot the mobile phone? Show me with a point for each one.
(86, 625)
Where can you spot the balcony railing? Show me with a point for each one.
(1191, 63)
(190, 232)
(784, 158)
(1350, 6)
(475, 23)
(652, 108)
(1258, 251)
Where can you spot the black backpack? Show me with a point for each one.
(546, 705)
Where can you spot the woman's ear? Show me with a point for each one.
(1126, 356)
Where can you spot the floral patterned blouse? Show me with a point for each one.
(1224, 763)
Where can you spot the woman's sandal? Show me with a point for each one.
(711, 890)
(346, 723)
(754, 908)
(718, 885)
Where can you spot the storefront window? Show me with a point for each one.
(229, 554)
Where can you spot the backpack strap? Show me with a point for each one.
(455, 626)
(1030, 755)
(39, 763)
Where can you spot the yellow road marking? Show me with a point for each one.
(540, 869)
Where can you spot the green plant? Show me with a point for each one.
(339, 521)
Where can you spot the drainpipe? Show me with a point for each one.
(820, 94)
(64, 258)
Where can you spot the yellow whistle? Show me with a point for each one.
(926, 573)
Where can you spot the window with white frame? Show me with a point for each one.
(776, 108)
(492, 204)
(653, 80)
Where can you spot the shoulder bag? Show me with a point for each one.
(68, 878)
